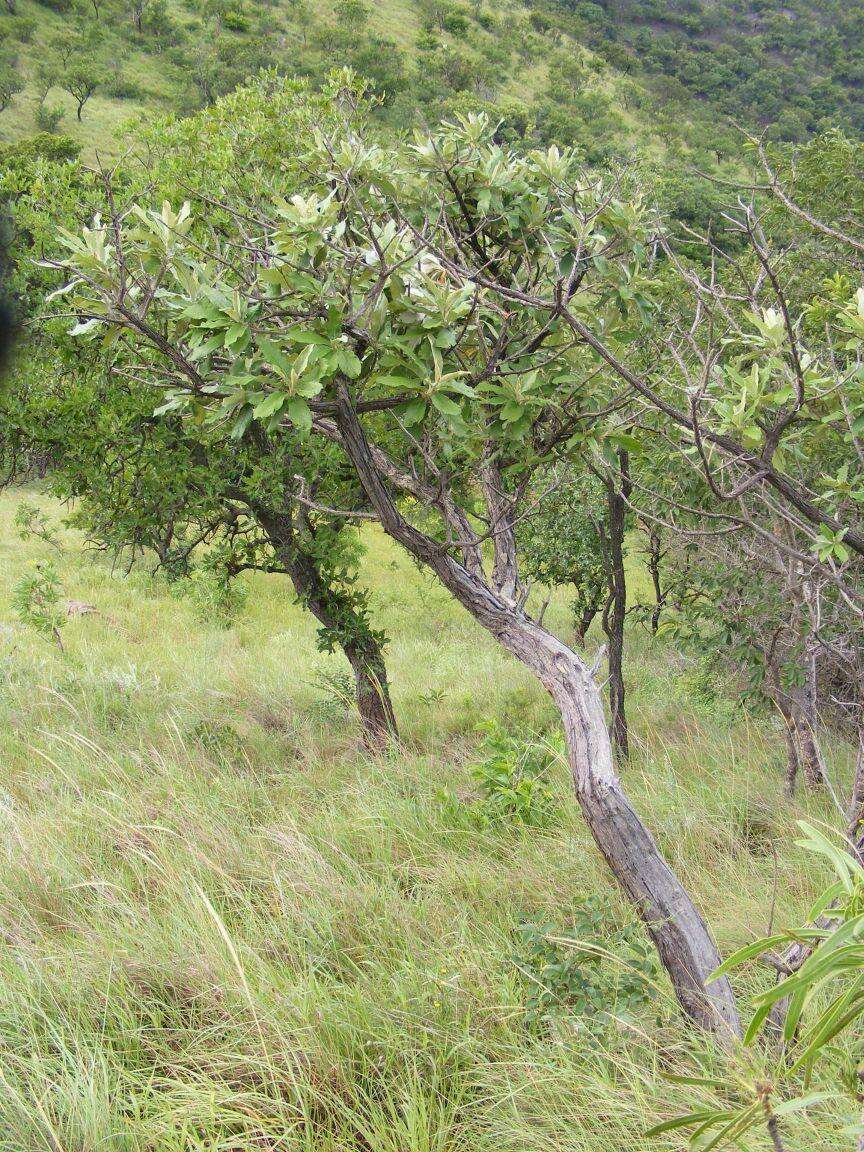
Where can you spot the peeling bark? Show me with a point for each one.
(680, 935)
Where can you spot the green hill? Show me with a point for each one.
(610, 77)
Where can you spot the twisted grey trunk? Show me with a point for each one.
(683, 941)
(335, 612)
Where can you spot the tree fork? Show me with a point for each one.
(680, 935)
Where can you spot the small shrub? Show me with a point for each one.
(220, 741)
(217, 597)
(592, 969)
(511, 778)
(120, 87)
(36, 601)
(23, 29)
(31, 522)
(235, 20)
(48, 117)
(338, 699)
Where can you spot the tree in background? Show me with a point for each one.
(10, 81)
(576, 539)
(81, 79)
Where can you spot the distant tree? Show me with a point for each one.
(138, 8)
(10, 83)
(47, 74)
(82, 79)
(575, 538)
(352, 14)
(302, 17)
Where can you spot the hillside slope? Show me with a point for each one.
(225, 927)
(609, 76)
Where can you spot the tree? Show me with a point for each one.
(138, 9)
(82, 79)
(10, 83)
(561, 544)
(145, 488)
(48, 73)
(395, 318)
(576, 539)
(352, 14)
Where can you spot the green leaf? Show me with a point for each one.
(270, 405)
(412, 412)
(300, 415)
(349, 363)
(748, 952)
(445, 405)
(273, 355)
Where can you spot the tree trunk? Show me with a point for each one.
(616, 610)
(372, 693)
(793, 764)
(584, 620)
(803, 753)
(680, 935)
(654, 558)
(337, 613)
(810, 754)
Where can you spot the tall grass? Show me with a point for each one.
(224, 927)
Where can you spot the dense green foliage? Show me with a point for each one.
(796, 65)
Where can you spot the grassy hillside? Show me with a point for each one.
(225, 927)
(610, 77)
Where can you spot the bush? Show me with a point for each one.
(216, 597)
(122, 88)
(235, 20)
(23, 29)
(592, 969)
(511, 778)
(48, 117)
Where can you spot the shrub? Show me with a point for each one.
(511, 778)
(592, 969)
(216, 597)
(36, 601)
(122, 88)
(235, 20)
(48, 117)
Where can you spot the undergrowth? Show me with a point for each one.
(225, 927)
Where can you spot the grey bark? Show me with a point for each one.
(680, 935)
